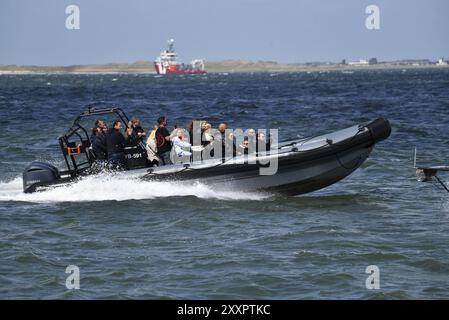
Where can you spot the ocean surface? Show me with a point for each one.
(160, 240)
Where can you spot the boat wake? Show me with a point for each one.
(111, 187)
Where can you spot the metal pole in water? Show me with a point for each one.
(414, 159)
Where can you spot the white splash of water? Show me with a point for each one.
(107, 187)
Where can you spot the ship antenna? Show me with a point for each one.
(171, 42)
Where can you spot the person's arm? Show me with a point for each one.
(180, 143)
(140, 132)
(167, 134)
(170, 136)
(184, 144)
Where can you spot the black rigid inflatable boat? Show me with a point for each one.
(302, 165)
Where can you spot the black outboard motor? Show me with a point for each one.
(37, 174)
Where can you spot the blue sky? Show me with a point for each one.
(33, 32)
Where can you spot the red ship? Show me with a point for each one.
(167, 63)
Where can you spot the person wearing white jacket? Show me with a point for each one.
(180, 144)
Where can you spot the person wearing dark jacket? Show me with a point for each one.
(115, 145)
(98, 143)
(163, 141)
(138, 133)
(227, 142)
(244, 147)
(137, 128)
(98, 140)
(262, 143)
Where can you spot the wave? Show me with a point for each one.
(106, 187)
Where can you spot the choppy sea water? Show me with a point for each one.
(163, 240)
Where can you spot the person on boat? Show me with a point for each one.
(151, 147)
(261, 141)
(201, 129)
(180, 143)
(220, 137)
(252, 140)
(231, 143)
(115, 144)
(206, 137)
(251, 135)
(98, 141)
(192, 130)
(137, 128)
(137, 132)
(222, 131)
(243, 148)
(163, 142)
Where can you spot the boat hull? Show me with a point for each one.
(294, 175)
(175, 69)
